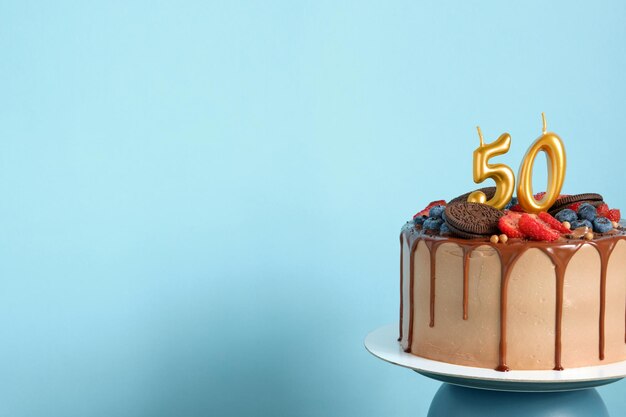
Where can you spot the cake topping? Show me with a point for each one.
(568, 200)
(509, 224)
(426, 211)
(553, 223)
(614, 215)
(488, 191)
(473, 218)
(533, 228)
(602, 225)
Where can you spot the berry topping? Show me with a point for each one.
(509, 224)
(540, 195)
(580, 223)
(428, 207)
(614, 215)
(432, 223)
(602, 210)
(587, 212)
(566, 215)
(535, 229)
(575, 206)
(517, 208)
(419, 220)
(514, 202)
(553, 223)
(436, 211)
(444, 228)
(602, 225)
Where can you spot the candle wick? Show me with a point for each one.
(480, 136)
(545, 124)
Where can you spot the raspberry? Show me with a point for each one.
(602, 210)
(508, 224)
(614, 215)
(553, 223)
(428, 207)
(535, 229)
(517, 208)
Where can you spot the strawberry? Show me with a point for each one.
(535, 229)
(602, 210)
(508, 224)
(428, 207)
(540, 195)
(614, 215)
(575, 206)
(552, 222)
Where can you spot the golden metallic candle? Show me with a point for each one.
(500, 173)
(552, 145)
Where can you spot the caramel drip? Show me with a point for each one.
(604, 248)
(560, 257)
(432, 245)
(401, 286)
(467, 250)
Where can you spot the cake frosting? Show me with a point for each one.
(514, 303)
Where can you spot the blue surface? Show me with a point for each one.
(200, 201)
(455, 401)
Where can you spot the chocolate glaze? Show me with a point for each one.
(559, 252)
(466, 255)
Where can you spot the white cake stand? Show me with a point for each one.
(469, 391)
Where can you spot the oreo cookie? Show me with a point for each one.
(473, 219)
(464, 235)
(489, 192)
(564, 202)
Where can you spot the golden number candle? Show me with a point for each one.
(551, 144)
(500, 173)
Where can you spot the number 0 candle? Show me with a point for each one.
(552, 145)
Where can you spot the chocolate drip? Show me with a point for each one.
(560, 257)
(411, 292)
(401, 287)
(507, 261)
(604, 248)
(467, 250)
(432, 245)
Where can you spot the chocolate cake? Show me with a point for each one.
(506, 289)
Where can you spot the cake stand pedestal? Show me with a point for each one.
(474, 392)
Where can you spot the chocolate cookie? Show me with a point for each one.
(564, 202)
(464, 235)
(473, 218)
(489, 192)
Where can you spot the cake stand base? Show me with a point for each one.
(457, 401)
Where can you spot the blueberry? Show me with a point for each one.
(580, 223)
(566, 215)
(436, 211)
(602, 225)
(444, 228)
(419, 220)
(432, 223)
(511, 203)
(586, 212)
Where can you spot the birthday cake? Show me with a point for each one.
(533, 282)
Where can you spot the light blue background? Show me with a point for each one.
(200, 203)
